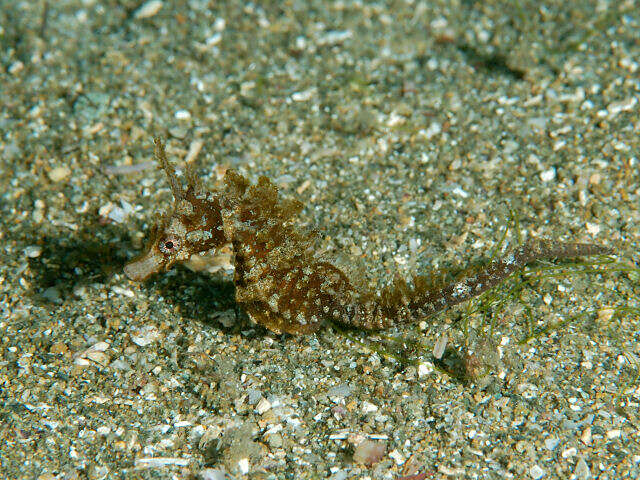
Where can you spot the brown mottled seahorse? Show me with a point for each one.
(281, 280)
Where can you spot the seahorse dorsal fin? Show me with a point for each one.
(161, 156)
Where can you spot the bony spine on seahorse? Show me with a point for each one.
(281, 281)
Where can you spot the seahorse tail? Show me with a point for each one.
(401, 303)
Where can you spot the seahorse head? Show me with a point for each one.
(193, 226)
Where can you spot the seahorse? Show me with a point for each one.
(282, 282)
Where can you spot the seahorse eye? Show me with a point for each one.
(170, 244)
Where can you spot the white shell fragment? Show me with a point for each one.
(59, 173)
(157, 462)
(440, 345)
(148, 9)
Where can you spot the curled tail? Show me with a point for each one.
(402, 303)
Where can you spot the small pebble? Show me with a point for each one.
(334, 37)
(586, 436)
(303, 96)
(605, 314)
(214, 39)
(425, 368)
(341, 391)
(593, 228)
(145, 336)
(536, 472)
(117, 214)
(194, 150)
(220, 24)
(263, 406)
(226, 318)
(339, 475)
(59, 173)
(148, 9)
(369, 452)
(551, 443)
(158, 462)
(38, 215)
(615, 433)
(182, 115)
(52, 294)
(179, 131)
(582, 471)
(212, 474)
(243, 466)
(615, 108)
(440, 345)
(33, 251)
(368, 407)
(97, 472)
(434, 129)
(548, 175)
(397, 457)
(16, 67)
(303, 187)
(58, 348)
